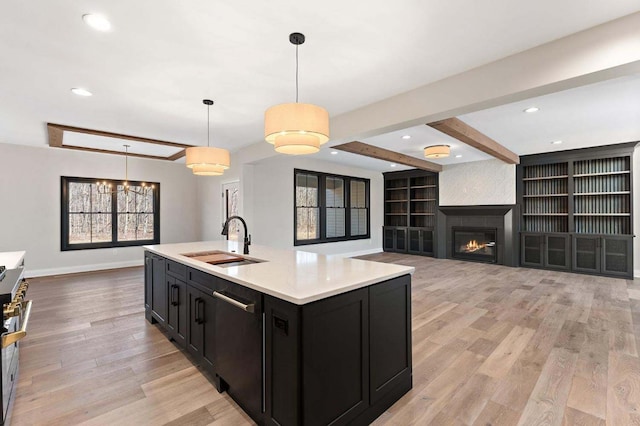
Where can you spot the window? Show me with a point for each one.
(330, 208)
(94, 219)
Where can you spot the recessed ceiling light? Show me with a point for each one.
(334, 152)
(392, 165)
(556, 142)
(459, 156)
(406, 137)
(97, 22)
(81, 92)
(532, 109)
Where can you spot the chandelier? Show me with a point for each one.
(295, 128)
(105, 187)
(207, 160)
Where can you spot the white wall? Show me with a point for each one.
(30, 210)
(478, 183)
(266, 191)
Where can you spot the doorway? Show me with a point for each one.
(230, 203)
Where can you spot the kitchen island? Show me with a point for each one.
(295, 338)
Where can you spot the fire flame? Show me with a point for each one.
(474, 246)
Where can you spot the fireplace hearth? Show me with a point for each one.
(474, 243)
(473, 222)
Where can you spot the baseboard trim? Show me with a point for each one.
(81, 268)
(636, 273)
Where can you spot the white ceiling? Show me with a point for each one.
(151, 71)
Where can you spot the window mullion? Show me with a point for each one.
(114, 214)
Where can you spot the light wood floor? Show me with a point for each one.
(492, 345)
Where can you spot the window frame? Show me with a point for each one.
(64, 215)
(322, 204)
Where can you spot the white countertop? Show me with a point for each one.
(295, 276)
(11, 259)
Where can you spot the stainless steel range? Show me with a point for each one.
(16, 312)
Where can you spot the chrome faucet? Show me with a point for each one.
(247, 237)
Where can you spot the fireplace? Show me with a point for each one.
(476, 243)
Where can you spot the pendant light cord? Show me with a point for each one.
(208, 125)
(296, 73)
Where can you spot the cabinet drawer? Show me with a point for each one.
(176, 269)
(202, 280)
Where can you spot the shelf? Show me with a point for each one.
(395, 201)
(395, 214)
(546, 177)
(602, 214)
(545, 195)
(423, 199)
(423, 214)
(396, 189)
(422, 186)
(545, 214)
(623, 172)
(602, 193)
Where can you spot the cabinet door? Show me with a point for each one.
(160, 290)
(420, 241)
(557, 253)
(195, 325)
(401, 240)
(335, 353)
(426, 242)
(208, 317)
(532, 253)
(148, 286)
(177, 314)
(390, 336)
(617, 258)
(415, 240)
(388, 239)
(586, 253)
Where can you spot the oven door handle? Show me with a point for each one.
(10, 338)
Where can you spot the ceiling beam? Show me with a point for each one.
(367, 150)
(460, 130)
(56, 138)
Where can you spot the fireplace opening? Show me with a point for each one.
(477, 244)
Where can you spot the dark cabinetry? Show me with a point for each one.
(576, 211)
(177, 301)
(610, 255)
(395, 238)
(201, 339)
(420, 241)
(551, 251)
(358, 343)
(410, 204)
(340, 360)
(156, 290)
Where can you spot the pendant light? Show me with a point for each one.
(106, 188)
(437, 151)
(207, 160)
(296, 128)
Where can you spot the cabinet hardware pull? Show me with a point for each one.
(10, 338)
(197, 314)
(174, 295)
(247, 308)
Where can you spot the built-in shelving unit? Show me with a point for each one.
(582, 200)
(411, 202)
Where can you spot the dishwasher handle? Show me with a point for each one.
(245, 307)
